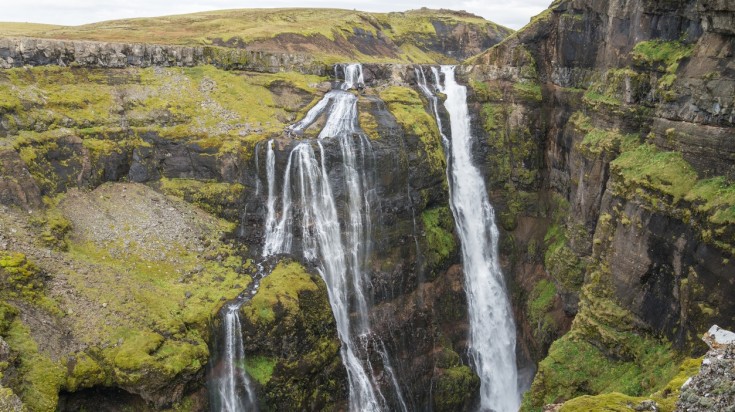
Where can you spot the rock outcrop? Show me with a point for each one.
(19, 52)
(713, 388)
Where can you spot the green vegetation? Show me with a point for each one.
(714, 197)
(22, 280)
(513, 147)
(327, 30)
(223, 110)
(662, 172)
(614, 401)
(597, 141)
(214, 197)
(662, 55)
(560, 261)
(439, 228)
(538, 305)
(528, 90)
(291, 321)
(406, 105)
(39, 378)
(454, 388)
(280, 290)
(260, 368)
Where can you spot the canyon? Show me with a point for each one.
(160, 200)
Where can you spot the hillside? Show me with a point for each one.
(332, 35)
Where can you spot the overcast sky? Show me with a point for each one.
(510, 13)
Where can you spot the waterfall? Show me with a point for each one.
(492, 332)
(230, 388)
(339, 249)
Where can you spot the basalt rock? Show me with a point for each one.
(19, 52)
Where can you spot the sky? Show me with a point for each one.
(510, 13)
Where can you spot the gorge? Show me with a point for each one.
(469, 219)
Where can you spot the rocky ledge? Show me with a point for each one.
(713, 389)
(19, 52)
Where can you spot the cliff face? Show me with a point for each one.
(628, 107)
(195, 135)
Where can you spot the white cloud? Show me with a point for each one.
(510, 13)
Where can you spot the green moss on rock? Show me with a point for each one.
(292, 349)
(260, 368)
(214, 197)
(406, 105)
(441, 243)
(39, 378)
(454, 388)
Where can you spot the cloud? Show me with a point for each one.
(510, 13)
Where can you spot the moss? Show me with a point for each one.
(597, 141)
(368, 124)
(260, 368)
(528, 90)
(541, 299)
(574, 368)
(484, 93)
(214, 197)
(662, 172)
(83, 372)
(663, 55)
(439, 229)
(406, 105)
(714, 197)
(22, 279)
(613, 402)
(665, 398)
(513, 152)
(280, 288)
(560, 261)
(40, 378)
(454, 388)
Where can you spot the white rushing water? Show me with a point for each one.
(340, 250)
(233, 386)
(492, 331)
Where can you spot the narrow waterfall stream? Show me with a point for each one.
(230, 388)
(492, 331)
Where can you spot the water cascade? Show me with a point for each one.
(230, 388)
(492, 331)
(339, 249)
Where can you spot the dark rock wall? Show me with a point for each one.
(19, 52)
(581, 79)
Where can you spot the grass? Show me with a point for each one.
(322, 29)
(214, 197)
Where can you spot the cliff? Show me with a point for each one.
(610, 122)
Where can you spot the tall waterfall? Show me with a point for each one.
(492, 331)
(339, 249)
